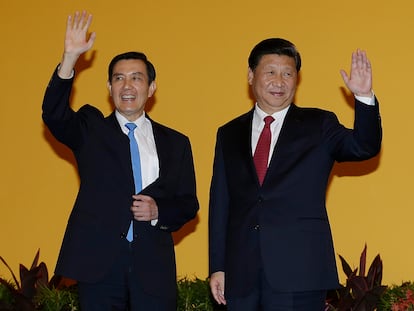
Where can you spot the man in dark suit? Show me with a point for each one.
(116, 271)
(270, 242)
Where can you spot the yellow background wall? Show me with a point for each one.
(200, 51)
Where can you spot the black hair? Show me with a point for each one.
(132, 55)
(273, 46)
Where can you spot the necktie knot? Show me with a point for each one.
(130, 126)
(268, 120)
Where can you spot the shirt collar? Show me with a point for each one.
(259, 115)
(140, 122)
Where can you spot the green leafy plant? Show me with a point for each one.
(193, 294)
(26, 294)
(398, 298)
(362, 292)
(35, 292)
(6, 298)
(24, 291)
(53, 299)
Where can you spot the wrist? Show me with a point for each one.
(67, 65)
(370, 94)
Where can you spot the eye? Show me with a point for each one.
(118, 78)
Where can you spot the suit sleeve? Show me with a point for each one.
(360, 143)
(56, 111)
(218, 212)
(175, 190)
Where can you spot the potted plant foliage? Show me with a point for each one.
(398, 298)
(35, 291)
(362, 292)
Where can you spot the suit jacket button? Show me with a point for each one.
(122, 235)
(257, 227)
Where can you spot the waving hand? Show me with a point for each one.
(359, 80)
(76, 41)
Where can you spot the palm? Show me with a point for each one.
(359, 81)
(76, 33)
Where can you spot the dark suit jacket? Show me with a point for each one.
(101, 214)
(282, 226)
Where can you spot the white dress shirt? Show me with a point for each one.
(146, 145)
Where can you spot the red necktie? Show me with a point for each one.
(261, 154)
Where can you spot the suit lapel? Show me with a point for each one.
(291, 131)
(243, 143)
(118, 142)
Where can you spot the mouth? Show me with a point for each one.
(128, 97)
(278, 94)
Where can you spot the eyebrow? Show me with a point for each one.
(136, 73)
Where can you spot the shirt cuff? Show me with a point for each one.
(370, 101)
(71, 74)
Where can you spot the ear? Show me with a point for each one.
(250, 76)
(152, 88)
(109, 86)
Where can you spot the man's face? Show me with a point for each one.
(129, 88)
(274, 82)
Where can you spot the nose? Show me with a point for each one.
(277, 80)
(127, 84)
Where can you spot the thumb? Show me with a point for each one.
(344, 76)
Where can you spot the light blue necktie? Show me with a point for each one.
(136, 169)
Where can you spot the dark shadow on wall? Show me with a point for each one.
(356, 168)
(61, 150)
(186, 230)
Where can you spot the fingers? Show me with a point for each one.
(360, 60)
(217, 293)
(76, 41)
(79, 23)
(344, 76)
(219, 297)
(144, 208)
(359, 79)
(80, 20)
(217, 287)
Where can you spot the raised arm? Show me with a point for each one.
(76, 41)
(359, 80)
